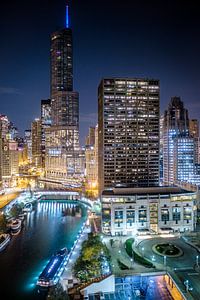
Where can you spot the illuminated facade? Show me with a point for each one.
(161, 210)
(45, 123)
(14, 157)
(194, 132)
(90, 139)
(184, 158)
(176, 125)
(28, 142)
(36, 137)
(91, 158)
(9, 155)
(161, 147)
(128, 120)
(4, 125)
(62, 155)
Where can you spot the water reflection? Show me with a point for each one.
(51, 226)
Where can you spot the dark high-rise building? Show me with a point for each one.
(128, 120)
(61, 61)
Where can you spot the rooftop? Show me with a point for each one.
(146, 190)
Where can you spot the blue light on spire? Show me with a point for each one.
(67, 16)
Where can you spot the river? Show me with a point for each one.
(45, 230)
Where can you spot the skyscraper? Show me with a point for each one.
(128, 120)
(176, 125)
(62, 138)
(65, 102)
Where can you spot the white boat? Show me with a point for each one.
(21, 217)
(15, 225)
(28, 207)
(4, 240)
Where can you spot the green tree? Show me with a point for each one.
(2, 223)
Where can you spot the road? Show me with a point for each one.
(187, 260)
(7, 198)
(183, 266)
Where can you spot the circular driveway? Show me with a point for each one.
(187, 260)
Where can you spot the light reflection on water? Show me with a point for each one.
(45, 231)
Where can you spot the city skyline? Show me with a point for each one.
(167, 50)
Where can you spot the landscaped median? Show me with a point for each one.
(136, 257)
(93, 261)
(167, 249)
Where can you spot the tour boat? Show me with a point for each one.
(53, 270)
(4, 240)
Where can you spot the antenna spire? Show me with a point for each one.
(67, 15)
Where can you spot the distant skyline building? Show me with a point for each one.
(90, 138)
(91, 158)
(194, 132)
(36, 137)
(46, 121)
(4, 125)
(28, 142)
(128, 120)
(175, 125)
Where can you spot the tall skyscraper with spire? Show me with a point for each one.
(62, 138)
(65, 102)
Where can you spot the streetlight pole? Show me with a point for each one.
(142, 251)
(165, 260)
(187, 285)
(133, 256)
(197, 261)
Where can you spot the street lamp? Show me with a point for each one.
(187, 285)
(153, 258)
(165, 259)
(197, 261)
(142, 251)
(131, 263)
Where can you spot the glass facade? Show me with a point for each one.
(176, 214)
(119, 218)
(130, 218)
(164, 214)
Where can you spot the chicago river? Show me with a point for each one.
(50, 226)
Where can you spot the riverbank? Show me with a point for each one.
(7, 198)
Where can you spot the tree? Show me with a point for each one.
(2, 223)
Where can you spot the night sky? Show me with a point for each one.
(156, 39)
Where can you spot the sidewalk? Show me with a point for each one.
(118, 252)
(67, 279)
